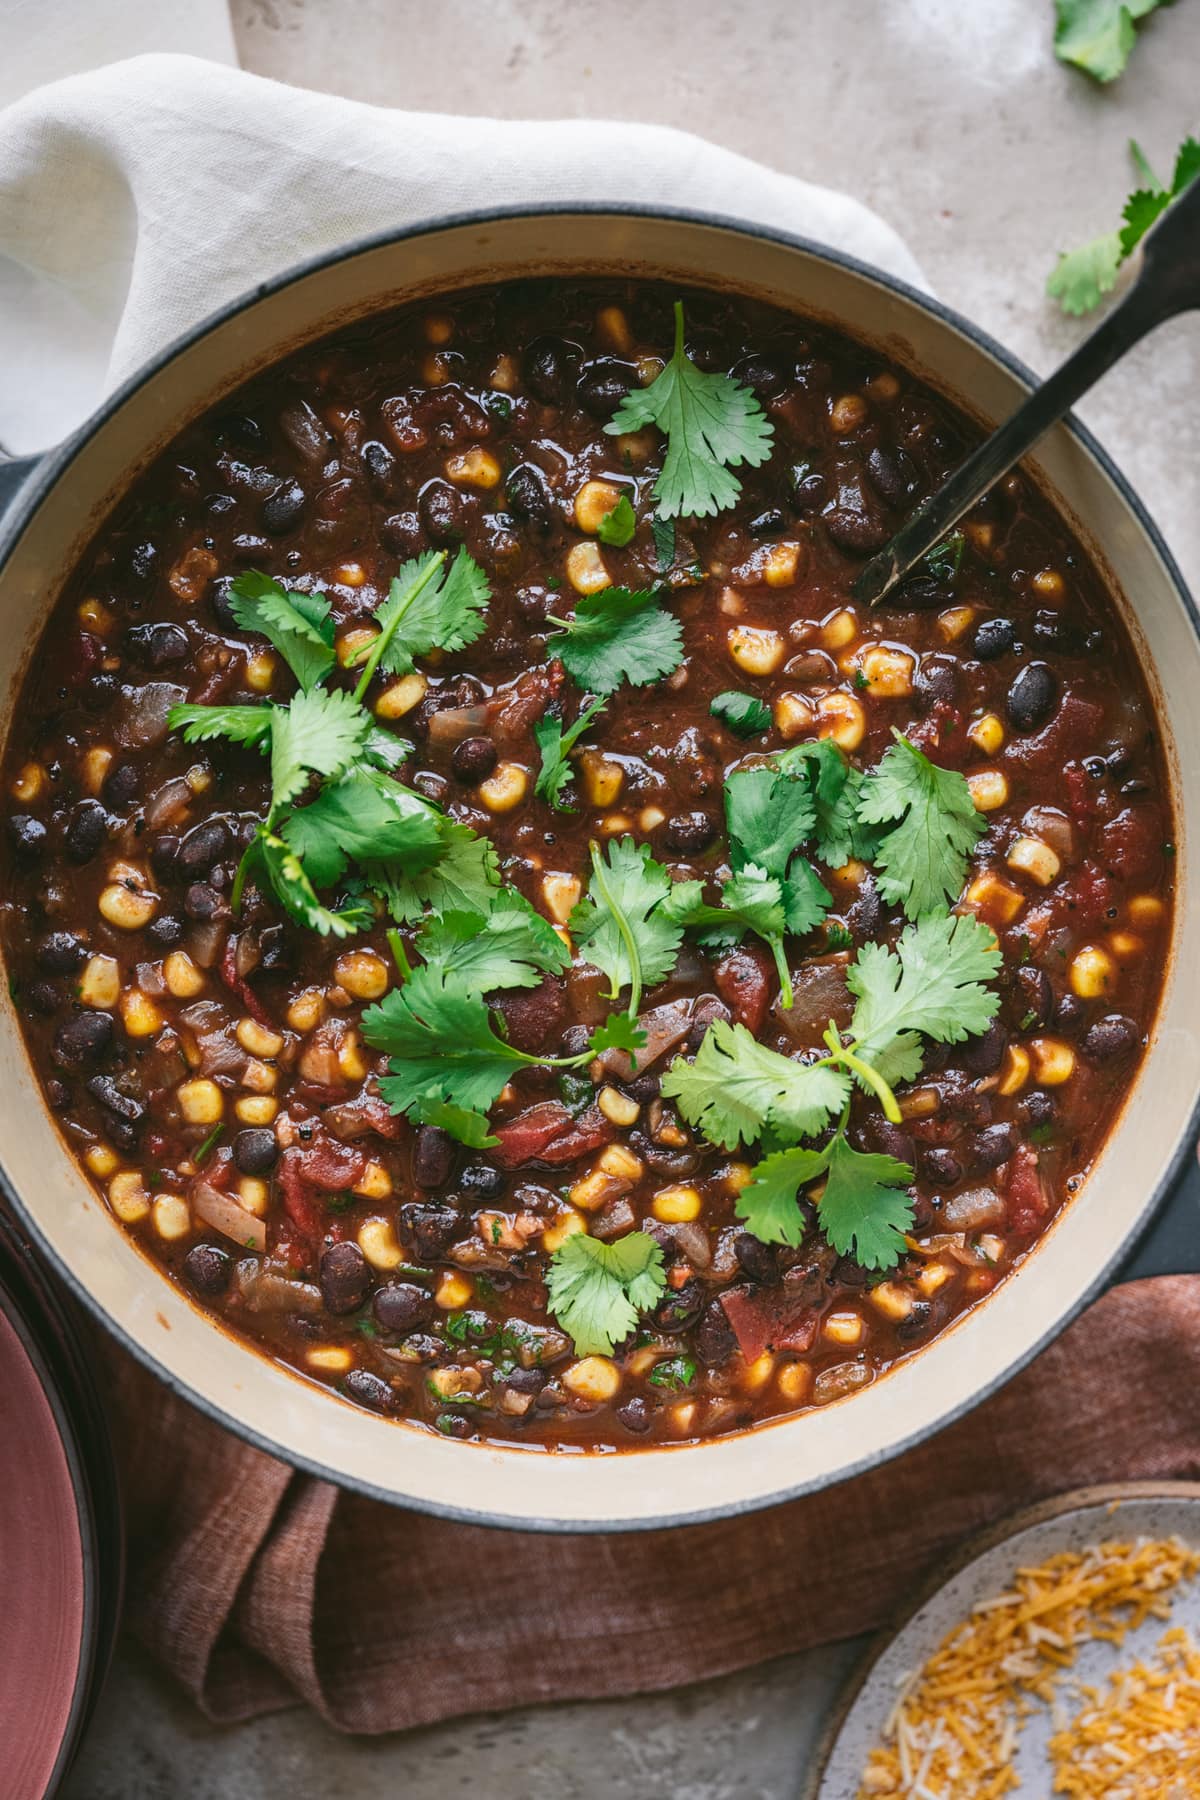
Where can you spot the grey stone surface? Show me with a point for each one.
(953, 120)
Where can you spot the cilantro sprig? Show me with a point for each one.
(618, 526)
(1081, 278)
(615, 636)
(712, 424)
(556, 746)
(597, 1291)
(745, 714)
(932, 826)
(510, 946)
(621, 926)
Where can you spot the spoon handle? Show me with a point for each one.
(1168, 283)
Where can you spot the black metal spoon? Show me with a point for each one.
(1168, 283)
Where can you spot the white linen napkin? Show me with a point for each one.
(137, 198)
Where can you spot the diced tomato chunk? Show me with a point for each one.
(771, 1318)
(1025, 1192)
(1131, 844)
(548, 1133)
(743, 981)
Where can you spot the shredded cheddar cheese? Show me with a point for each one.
(954, 1729)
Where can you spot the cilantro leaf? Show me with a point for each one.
(294, 891)
(511, 946)
(298, 626)
(768, 814)
(465, 878)
(712, 425)
(384, 750)
(617, 636)
(922, 860)
(944, 561)
(597, 1290)
(442, 1045)
(751, 900)
(468, 1127)
(743, 713)
(834, 785)
(737, 1090)
(239, 724)
(618, 1032)
(364, 817)
(555, 746)
(767, 1205)
(430, 605)
(320, 733)
(864, 1211)
(618, 526)
(1081, 278)
(1098, 35)
(930, 982)
(663, 533)
(619, 925)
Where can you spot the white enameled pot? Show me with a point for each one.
(50, 519)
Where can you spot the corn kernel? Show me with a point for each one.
(350, 1058)
(260, 671)
(354, 641)
(374, 1183)
(439, 329)
(505, 788)
(736, 1176)
(847, 413)
(933, 1276)
(612, 327)
(636, 447)
(139, 1015)
(449, 1383)
(256, 1039)
(1126, 946)
(1093, 973)
(362, 973)
(889, 672)
(841, 718)
(435, 370)
(616, 1160)
(254, 1194)
(891, 1299)
(1053, 1061)
(922, 1103)
(676, 1205)
(954, 622)
(192, 574)
(259, 1077)
(401, 696)
(350, 574)
(101, 982)
(840, 630)
(181, 975)
(794, 1382)
(782, 565)
(129, 909)
(731, 603)
(612, 823)
(596, 1188)
(594, 1378)
(793, 715)
(593, 503)
(96, 763)
(643, 1360)
(650, 818)
(379, 1244)
(682, 1417)
(29, 783)
(844, 1328)
(561, 1228)
(987, 734)
(128, 1197)
(306, 1010)
(453, 1291)
(756, 1374)
(199, 778)
(561, 895)
(256, 1109)
(101, 1161)
(330, 1359)
(504, 375)
(755, 651)
(981, 533)
(1146, 911)
(993, 899)
(1048, 584)
(201, 1101)
(618, 1108)
(95, 616)
(1029, 856)
(884, 386)
(585, 569)
(1014, 1070)
(988, 789)
(473, 468)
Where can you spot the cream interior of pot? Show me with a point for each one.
(527, 1487)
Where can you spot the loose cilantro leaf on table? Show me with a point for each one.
(598, 1290)
(511, 946)
(922, 859)
(620, 926)
(615, 636)
(299, 626)
(1098, 35)
(555, 746)
(1081, 278)
(712, 425)
(744, 714)
(618, 526)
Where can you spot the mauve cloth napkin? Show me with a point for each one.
(132, 201)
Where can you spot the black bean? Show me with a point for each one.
(122, 785)
(993, 1146)
(921, 593)
(155, 646)
(220, 590)
(714, 1339)
(602, 386)
(277, 951)
(644, 1088)
(915, 1323)
(706, 1010)
(767, 524)
(204, 845)
(474, 759)
(455, 1425)
(689, 833)
(1038, 1108)
(100, 692)
(85, 1038)
(402, 1306)
(1069, 1012)
(379, 463)
(58, 1094)
(433, 1157)
(370, 1390)
(207, 1269)
(443, 512)
(983, 1055)
(1032, 696)
(403, 534)
(255, 1150)
(433, 786)
(767, 375)
(27, 834)
(202, 902)
(854, 522)
(936, 682)
(239, 428)
(163, 852)
(431, 1228)
(941, 1166)
(893, 474)
(59, 952)
(1036, 995)
(283, 509)
(548, 368)
(528, 496)
(165, 930)
(681, 1308)
(807, 487)
(1113, 1035)
(345, 1278)
(141, 562)
(525, 1381)
(43, 997)
(635, 1414)
(993, 638)
(122, 1106)
(86, 831)
(759, 1260)
(481, 1181)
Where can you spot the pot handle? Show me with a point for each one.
(1170, 1243)
(14, 473)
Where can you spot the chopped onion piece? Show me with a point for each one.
(225, 1215)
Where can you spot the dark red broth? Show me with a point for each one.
(401, 1269)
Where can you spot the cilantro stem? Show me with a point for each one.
(205, 1149)
(624, 928)
(844, 1053)
(243, 870)
(784, 973)
(399, 954)
(375, 653)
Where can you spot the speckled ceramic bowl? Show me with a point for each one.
(51, 518)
